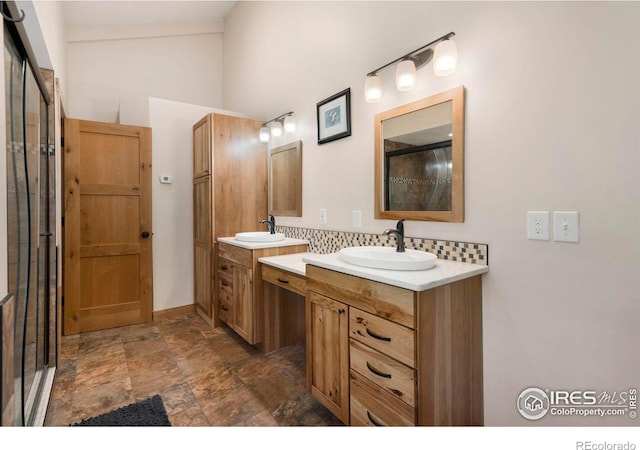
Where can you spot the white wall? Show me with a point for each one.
(105, 69)
(551, 124)
(172, 204)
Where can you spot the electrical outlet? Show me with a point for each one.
(538, 225)
(323, 216)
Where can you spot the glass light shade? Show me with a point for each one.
(289, 124)
(276, 129)
(445, 58)
(372, 89)
(405, 75)
(264, 134)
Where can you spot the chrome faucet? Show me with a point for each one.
(399, 234)
(271, 223)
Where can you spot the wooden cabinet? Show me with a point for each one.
(380, 355)
(237, 308)
(240, 289)
(229, 195)
(328, 353)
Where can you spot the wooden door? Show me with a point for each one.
(243, 311)
(328, 353)
(107, 233)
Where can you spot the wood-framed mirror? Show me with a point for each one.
(419, 159)
(285, 180)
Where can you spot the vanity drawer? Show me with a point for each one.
(284, 279)
(224, 311)
(373, 406)
(394, 377)
(225, 285)
(225, 267)
(242, 256)
(383, 335)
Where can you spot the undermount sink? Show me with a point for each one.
(388, 258)
(259, 236)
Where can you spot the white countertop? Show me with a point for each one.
(442, 273)
(253, 245)
(291, 263)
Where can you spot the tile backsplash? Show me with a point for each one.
(327, 241)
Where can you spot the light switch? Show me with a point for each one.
(566, 226)
(323, 216)
(538, 225)
(357, 219)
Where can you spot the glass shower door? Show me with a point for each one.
(29, 225)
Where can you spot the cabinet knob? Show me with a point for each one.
(144, 234)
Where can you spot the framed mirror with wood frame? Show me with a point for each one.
(285, 180)
(419, 159)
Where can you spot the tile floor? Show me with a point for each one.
(205, 376)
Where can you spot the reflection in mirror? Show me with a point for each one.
(419, 159)
(285, 180)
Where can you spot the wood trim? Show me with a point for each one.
(173, 312)
(146, 269)
(7, 353)
(71, 227)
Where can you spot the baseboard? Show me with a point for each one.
(171, 312)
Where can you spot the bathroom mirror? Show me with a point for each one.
(285, 180)
(419, 159)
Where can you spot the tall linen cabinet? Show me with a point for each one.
(229, 195)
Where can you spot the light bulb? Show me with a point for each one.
(264, 134)
(289, 124)
(445, 58)
(373, 89)
(276, 129)
(405, 75)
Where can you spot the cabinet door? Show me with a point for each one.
(202, 147)
(328, 353)
(202, 245)
(243, 310)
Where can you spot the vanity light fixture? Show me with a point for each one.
(274, 127)
(445, 59)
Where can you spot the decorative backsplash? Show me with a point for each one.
(327, 241)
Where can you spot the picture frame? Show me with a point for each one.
(334, 117)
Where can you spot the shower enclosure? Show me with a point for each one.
(29, 340)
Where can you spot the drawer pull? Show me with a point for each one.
(373, 421)
(224, 308)
(224, 267)
(283, 281)
(224, 283)
(377, 336)
(377, 372)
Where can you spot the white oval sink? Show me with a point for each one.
(388, 258)
(259, 236)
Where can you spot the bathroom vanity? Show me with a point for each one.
(239, 282)
(395, 348)
(384, 347)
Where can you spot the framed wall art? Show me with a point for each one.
(334, 117)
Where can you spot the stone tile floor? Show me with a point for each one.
(205, 376)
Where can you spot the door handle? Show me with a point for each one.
(144, 234)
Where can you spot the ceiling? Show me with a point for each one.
(143, 12)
